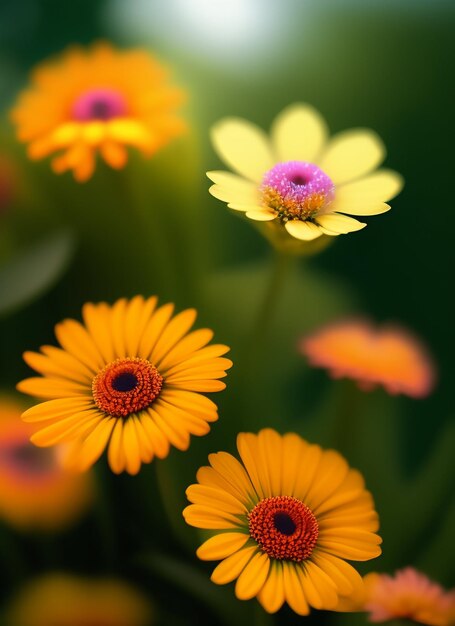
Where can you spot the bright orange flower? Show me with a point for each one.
(390, 357)
(98, 100)
(408, 594)
(128, 380)
(35, 491)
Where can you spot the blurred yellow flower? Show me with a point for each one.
(36, 492)
(298, 179)
(409, 595)
(98, 100)
(65, 600)
(283, 521)
(389, 356)
(128, 379)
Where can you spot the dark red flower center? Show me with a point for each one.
(284, 527)
(126, 386)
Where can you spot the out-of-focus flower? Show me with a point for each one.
(390, 357)
(99, 100)
(128, 379)
(66, 600)
(408, 594)
(36, 492)
(283, 521)
(299, 180)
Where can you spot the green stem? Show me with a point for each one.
(264, 319)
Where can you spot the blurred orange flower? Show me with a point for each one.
(390, 357)
(65, 600)
(408, 594)
(36, 493)
(97, 100)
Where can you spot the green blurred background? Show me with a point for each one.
(379, 64)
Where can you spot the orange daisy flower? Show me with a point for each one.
(98, 100)
(408, 594)
(283, 522)
(390, 357)
(66, 600)
(36, 492)
(127, 380)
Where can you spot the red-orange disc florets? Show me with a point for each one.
(126, 386)
(284, 527)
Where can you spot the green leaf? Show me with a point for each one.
(29, 274)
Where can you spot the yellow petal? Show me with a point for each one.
(351, 154)
(293, 451)
(319, 589)
(306, 231)
(233, 472)
(298, 133)
(367, 195)
(341, 224)
(293, 589)
(229, 187)
(153, 330)
(221, 546)
(116, 455)
(88, 451)
(71, 369)
(130, 132)
(131, 448)
(188, 346)
(232, 566)
(97, 321)
(68, 428)
(253, 577)
(359, 552)
(211, 519)
(172, 334)
(244, 147)
(271, 596)
(215, 498)
(178, 438)
(53, 388)
(56, 409)
(75, 339)
(260, 215)
(155, 436)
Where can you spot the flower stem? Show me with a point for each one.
(264, 320)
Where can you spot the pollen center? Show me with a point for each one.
(284, 528)
(126, 386)
(99, 104)
(297, 190)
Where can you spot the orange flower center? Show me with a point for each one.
(284, 527)
(126, 386)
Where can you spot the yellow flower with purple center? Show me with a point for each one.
(283, 521)
(97, 101)
(299, 179)
(59, 599)
(128, 379)
(36, 491)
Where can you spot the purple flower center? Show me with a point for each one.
(99, 104)
(296, 190)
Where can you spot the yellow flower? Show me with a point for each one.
(36, 492)
(97, 100)
(298, 179)
(65, 600)
(128, 379)
(283, 521)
